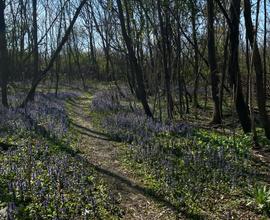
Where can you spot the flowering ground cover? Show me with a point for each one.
(96, 156)
(41, 174)
(208, 174)
(102, 152)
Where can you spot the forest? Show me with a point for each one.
(134, 109)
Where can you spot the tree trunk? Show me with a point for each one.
(35, 46)
(55, 55)
(136, 68)
(225, 61)
(234, 71)
(196, 55)
(257, 62)
(166, 57)
(213, 63)
(265, 47)
(4, 68)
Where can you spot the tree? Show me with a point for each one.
(135, 67)
(257, 63)
(166, 53)
(54, 56)
(213, 63)
(234, 70)
(193, 4)
(35, 46)
(4, 66)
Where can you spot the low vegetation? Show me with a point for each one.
(41, 174)
(209, 173)
(134, 109)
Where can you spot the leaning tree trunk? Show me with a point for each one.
(213, 63)
(234, 71)
(65, 38)
(257, 63)
(135, 67)
(3, 54)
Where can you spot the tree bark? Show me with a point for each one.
(136, 68)
(233, 70)
(196, 55)
(257, 63)
(224, 71)
(35, 46)
(166, 48)
(212, 60)
(4, 67)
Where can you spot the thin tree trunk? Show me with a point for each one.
(248, 71)
(35, 47)
(257, 62)
(55, 54)
(196, 56)
(166, 57)
(4, 70)
(213, 63)
(234, 71)
(250, 96)
(224, 69)
(265, 47)
(76, 56)
(140, 88)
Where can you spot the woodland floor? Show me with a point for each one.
(133, 191)
(103, 154)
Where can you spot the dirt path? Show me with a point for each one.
(101, 152)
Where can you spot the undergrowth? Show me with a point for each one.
(207, 173)
(42, 176)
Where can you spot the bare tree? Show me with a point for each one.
(55, 54)
(135, 67)
(258, 66)
(213, 63)
(4, 71)
(234, 70)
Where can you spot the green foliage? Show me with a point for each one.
(44, 181)
(193, 172)
(192, 169)
(261, 198)
(241, 143)
(44, 177)
(263, 141)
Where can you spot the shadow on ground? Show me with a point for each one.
(115, 178)
(91, 133)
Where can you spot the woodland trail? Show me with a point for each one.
(102, 153)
